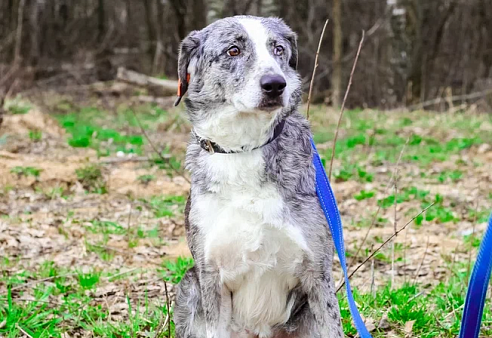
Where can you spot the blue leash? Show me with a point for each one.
(329, 206)
(477, 289)
(472, 316)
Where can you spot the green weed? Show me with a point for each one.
(18, 108)
(35, 135)
(26, 171)
(145, 179)
(92, 179)
(166, 206)
(364, 195)
(175, 271)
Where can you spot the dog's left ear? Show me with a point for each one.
(188, 50)
(292, 37)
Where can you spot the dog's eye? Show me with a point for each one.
(233, 51)
(278, 50)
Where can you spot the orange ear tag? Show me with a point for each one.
(179, 84)
(180, 89)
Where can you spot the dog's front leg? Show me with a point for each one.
(324, 307)
(217, 304)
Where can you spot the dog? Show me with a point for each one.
(263, 252)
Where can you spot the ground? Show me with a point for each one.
(91, 217)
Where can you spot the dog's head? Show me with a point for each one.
(239, 66)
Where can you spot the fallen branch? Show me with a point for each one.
(384, 243)
(476, 95)
(161, 101)
(314, 68)
(343, 103)
(116, 160)
(166, 87)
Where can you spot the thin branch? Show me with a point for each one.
(384, 243)
(379, 207)
(178, 172)
(24, 332)
(314, 68)
(393, 271)
(168, 306)
(343, 103)
(472, 238)
(422, 261)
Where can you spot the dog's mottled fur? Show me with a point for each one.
(263, 253)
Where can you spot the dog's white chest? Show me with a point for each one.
(248, 236)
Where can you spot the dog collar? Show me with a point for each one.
(212, 147)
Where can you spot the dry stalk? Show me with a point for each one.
(472, 237)
(421, 262)
(314, 68)
(384, 243)
(343, 103)
(24, 332)
(393, 271)
(373, 288)
(168, 307)
(379, 207)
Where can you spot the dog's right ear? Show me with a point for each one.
(187, 52)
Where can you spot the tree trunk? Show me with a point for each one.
(18, 41)
(336, 77)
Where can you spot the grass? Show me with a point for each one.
(26, 171)
(54, 301)
(85, 132)
(67, 300)
(107, 132)
(35, 135)
(429, 312)
(166, 206)
(91, 178)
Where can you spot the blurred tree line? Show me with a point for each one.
(415, 50)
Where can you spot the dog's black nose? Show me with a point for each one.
(272, 85)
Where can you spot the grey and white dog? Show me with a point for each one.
(263, 253)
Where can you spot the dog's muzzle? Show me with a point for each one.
(272, 88)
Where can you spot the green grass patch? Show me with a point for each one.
(86, 129)
(26, 171)
(166, 206)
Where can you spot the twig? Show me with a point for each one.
(393, 271)
(385, 242)
(379, 207)
(472, 238)
(117, 160)
(314, 68)
(162, 325)
(421, 262)
(343, 103)
(168, 310)
(373, 288)
(21, 330)
(37, 281)
(122, 273)
(156, 150)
